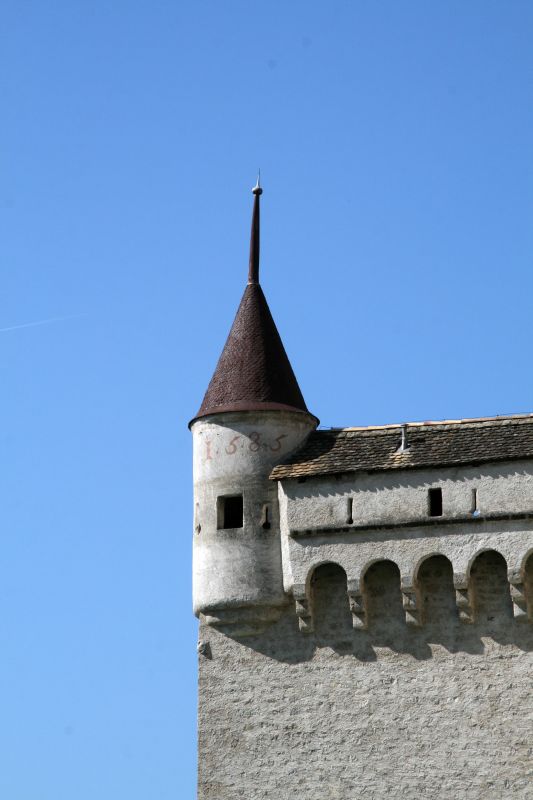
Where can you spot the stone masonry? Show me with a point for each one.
(402, 663)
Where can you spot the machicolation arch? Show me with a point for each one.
(329, 601)
(489, 588)
(383, 595)
(436, 590)
(488, 593)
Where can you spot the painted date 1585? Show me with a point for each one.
(255, 443)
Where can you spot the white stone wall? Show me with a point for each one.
(403, 666)
(233, 454)
(390, 521)
(442, 713)
(402, 495)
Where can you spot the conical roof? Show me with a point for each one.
(253, 372)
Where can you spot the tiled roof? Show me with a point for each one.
(253, 372)
(471, 441)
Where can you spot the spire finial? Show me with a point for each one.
(253, 268)
(257, 188)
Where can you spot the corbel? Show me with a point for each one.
(303, 608)
(462, 598)
(518, 595)
(357, 605)
(410, 603)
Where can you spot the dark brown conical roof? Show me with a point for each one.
(253, 373)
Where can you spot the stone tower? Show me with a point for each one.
(365, 595)
(253, 415)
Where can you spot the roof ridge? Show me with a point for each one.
(468, 421)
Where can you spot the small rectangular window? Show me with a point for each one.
(265, 518)
(230, 512)
(435, 502)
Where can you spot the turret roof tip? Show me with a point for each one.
(253, 372)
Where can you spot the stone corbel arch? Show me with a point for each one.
(411, 590)
(303, 597)
(521, 586)
(356, 596)
(509, 573)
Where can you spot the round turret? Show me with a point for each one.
(237, 549)
(252, 417)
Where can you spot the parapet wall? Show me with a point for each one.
(397, 496)
(357, 521)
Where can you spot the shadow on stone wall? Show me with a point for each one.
(314, 487)
(387, 632)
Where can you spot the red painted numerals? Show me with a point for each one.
(257, 444)
(254, 442)
(231, 449)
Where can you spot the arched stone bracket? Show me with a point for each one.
(357, 605)
(418, 606)
(518, 595)
(462, 598)
(410, 602)
(303, 608)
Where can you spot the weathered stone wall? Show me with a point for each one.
(402, 495)
(233, 454)
(388, 519)
(401, 662)
(443, 710)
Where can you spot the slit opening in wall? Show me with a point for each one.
(475, 506)
(265, 518)
(349, 511)
(435, 502)
(229, 512)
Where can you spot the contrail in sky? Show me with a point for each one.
(40, 322)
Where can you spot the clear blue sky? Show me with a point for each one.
(395, 144)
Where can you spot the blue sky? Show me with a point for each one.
(394, 140)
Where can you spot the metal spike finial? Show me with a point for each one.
(257, 188)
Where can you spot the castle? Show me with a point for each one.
(365, 595)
